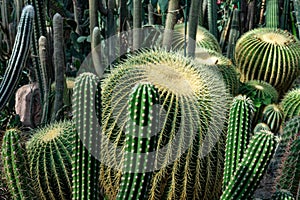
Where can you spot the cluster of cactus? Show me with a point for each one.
(279, 67)
(188, 108)
(291, 103)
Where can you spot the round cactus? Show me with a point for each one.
(191, 101)
(273, 116)
(261, 126)
(204, 39)
(291, 104)
(268, 54)
(49, 155)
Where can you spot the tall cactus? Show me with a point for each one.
(142, 125)
(189, 141)
(282, 195)
(252, 167)
(18, 57)
(85, 167)
(49, 157)
(238, 135)
(15, 166)
(272, 14)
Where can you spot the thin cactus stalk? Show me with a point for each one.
(212, 17)
(238, 135)
(93, 15)
(59, 63)
(291, 104)
(85, 167)
(49, 157)
(297, 14)
(273, 116)
(279, 67)
(187, 101)
(137, 24)
(234, 34)
(282, 195)
(15, 166)
(252, 167)
(142, 125)
(96, 52)
(18, 57)
(285, 16)
(272, 14)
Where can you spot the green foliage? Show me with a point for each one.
(291, 104)
(49, 156)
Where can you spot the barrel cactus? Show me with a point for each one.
(49, 158)
(273, 116)
(291, 104)
(192, 109)
(279, 67)
(261, 126)
(15, 166)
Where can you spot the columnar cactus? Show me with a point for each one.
(272, 14)
(142, 125)
(49, 157)
(189, 154)
(291, 104)
(18, 57)
(252, 167)
(85, 177)
(273, 116)
(15, 166)
(238, 135)
(279, 67)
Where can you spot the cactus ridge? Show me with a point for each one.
(252, 167)
(279, 67)
(238, 134)
(261, 126)
(272, 14)
(49, 155)
(291, 104)
(15, 166)
(85, 167)
(273, 116)
(187, 97)
(18, 57)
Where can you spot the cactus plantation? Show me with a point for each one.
(149, 100)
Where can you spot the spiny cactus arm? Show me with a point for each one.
(234, 33)
(85, 176)
(15, 166)
(272, 14)
(18, 57)
(139, 143)
(252, 167)
(238, 134)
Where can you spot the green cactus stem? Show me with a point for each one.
(238, 135)
(272, 14)
(291, 103)
(18, 57)
(273, 116)
(49, 156)
(85, 167)
(15, 166)
(279, 67)
(252, 167)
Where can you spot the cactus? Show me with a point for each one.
(204, 39)
(252, 167)
(15, 166)
(272, 14)
(223, 64)
(188, 113)
(279, 67)
(142, 125)
(261, 126)
(273, 116)
(234, 33)
(85, 176)
(18, 57)
(291, 104)
(238, 135)
(282, 195)
(49, 157)
(212, 17)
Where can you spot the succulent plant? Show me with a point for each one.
(282, 195)
(273, 116)
(18, 57)
(238, 135)
(49, 156)
(272, 14)
(279, 67)
(261, 126)
(188, 112)
(252, 167)
(15, 166)
(85, 166)
(291, 104)
(204, 39)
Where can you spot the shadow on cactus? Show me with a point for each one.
(193, 104)
(291, 104)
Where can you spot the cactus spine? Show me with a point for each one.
(238, 134)
(18, 57)
(252, 167)
(291, 104)
(273, 116)
(49, 155)
(15, 166)
(142, 125)
(85, 167)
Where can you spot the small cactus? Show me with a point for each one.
(49, 157)
(273, 116)
(261, 126)
(291, 104)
